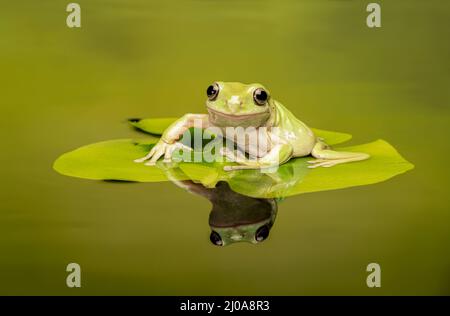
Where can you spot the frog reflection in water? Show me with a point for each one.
(234, 217)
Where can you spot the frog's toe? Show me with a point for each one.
(323, 163)
(139, 160)
(316, 161)
(146, 157)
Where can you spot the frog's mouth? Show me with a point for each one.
(226, 119)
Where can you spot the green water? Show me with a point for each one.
(63, 88)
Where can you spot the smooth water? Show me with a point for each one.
(63, 88)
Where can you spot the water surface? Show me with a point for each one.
(63, 88)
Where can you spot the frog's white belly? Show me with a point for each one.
(263, 140)
(256, 142)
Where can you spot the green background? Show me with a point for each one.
(63, 88)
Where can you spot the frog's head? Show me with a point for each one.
(232, 104)
(252, 232)
(241, 218)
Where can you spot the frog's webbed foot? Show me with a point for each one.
(162, 149)
(324, 163)
(240, 167)
(329, 158)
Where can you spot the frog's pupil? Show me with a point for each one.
(215, 238)
(262, 233)
(211, 91)
(261, 96)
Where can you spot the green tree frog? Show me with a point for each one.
(234, 104)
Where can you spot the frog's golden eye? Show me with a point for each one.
(216, 239)
(213, 91)
(262, 233)
(260, 96)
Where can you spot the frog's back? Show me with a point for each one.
(294, 131)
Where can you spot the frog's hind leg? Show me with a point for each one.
(327, 157)
(276, 156)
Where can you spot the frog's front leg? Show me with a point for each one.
(168, 141)
(328, 158)
(276, 156)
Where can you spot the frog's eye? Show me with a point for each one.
(260, 96)
(212, 91)
(216, 239)
(262, 233)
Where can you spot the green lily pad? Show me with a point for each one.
(113, 160)
(157, 126)
(154, 126)
(110, 160)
